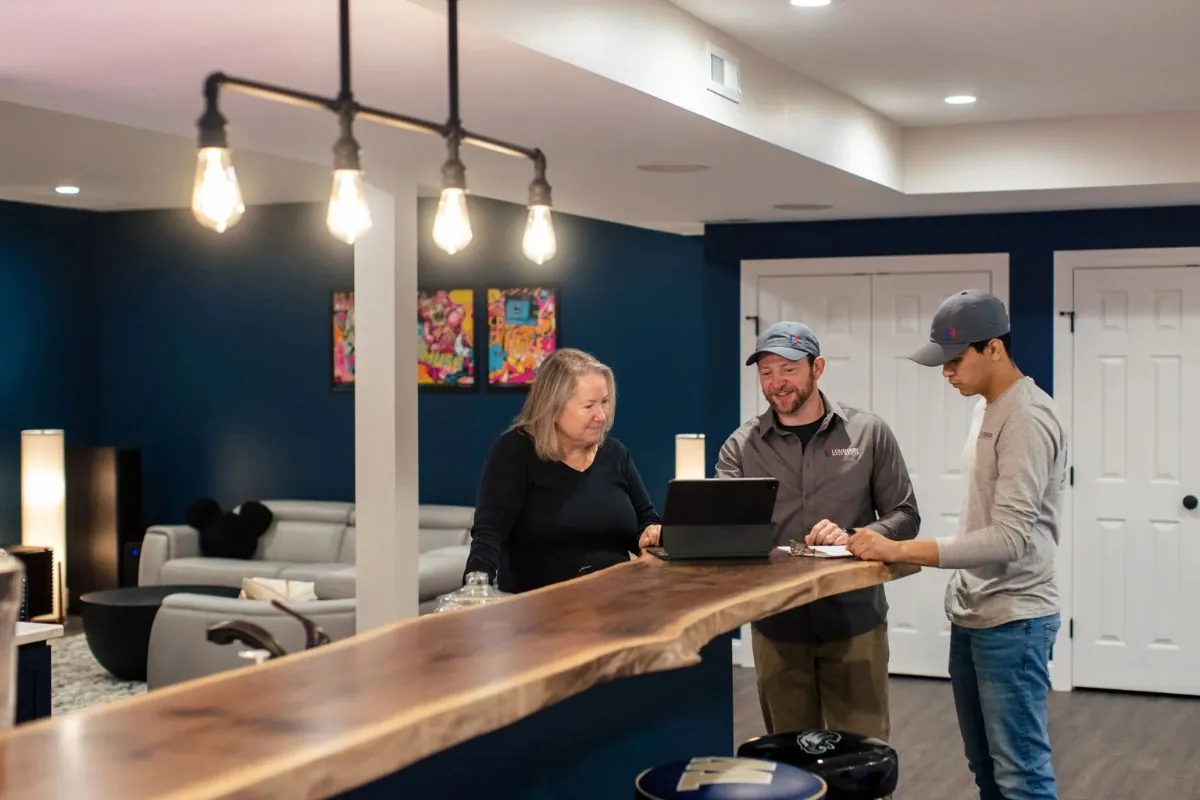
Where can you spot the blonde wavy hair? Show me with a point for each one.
(553, 387)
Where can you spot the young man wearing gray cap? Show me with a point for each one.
(825, 664)
(1002, 600)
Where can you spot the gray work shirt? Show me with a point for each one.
(851, 473)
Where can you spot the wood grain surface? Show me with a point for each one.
(325, 721)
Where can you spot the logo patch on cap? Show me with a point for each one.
(795, 341)
(951, 334)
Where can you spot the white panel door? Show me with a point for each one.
(1137, 457)
(931, 421)
(838, 309)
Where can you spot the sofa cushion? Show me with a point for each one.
(302, 541)
(349, 551)
(440, 571)
(340, 584)
(443, 516)
(202, 571)
(429, 539)
(441, 526)
(309, 572)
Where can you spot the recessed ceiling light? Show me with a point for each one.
(811, 3)
(802, 206)
(67, 189)
(960, 99)
(672, 167)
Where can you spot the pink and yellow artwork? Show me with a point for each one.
(522, 331)
(343, 340)
(446, 338)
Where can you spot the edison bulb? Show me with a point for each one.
(452, 225)
(539, 244)
(216, 196)
(349, 215)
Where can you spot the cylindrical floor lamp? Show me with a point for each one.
(689, 455)
(44, 501)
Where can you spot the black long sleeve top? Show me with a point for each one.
(540, 522)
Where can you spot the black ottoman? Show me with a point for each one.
(855, 767)
(117, 624)
(724, 778)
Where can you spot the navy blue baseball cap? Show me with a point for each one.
(964, 318)
(792, 340)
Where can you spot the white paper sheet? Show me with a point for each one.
(824, 551)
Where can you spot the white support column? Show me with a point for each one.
(385, 410)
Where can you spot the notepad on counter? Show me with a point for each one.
(821, 551)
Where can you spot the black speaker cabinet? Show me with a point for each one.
(104, 514)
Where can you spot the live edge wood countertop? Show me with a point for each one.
(325, 721)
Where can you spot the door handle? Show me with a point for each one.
(1190, 502)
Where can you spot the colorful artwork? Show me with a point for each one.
(446, 338)
(343, 340)
(522, 331)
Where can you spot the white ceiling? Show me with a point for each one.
(1023, 59)
(106, 96)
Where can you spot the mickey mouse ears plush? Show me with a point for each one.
(228, 534)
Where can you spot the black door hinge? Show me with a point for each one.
(1071, 628)
(755, 318)
(1072, 476)
(1070, 314)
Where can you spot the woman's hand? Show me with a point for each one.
(650, 536)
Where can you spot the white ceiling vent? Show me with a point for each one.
(724, 73)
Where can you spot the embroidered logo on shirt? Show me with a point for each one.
(986, 434)
(843, 452)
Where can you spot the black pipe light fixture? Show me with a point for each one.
(217, 199)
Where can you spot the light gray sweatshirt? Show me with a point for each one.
(1003, 554)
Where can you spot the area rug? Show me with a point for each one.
(78, 681)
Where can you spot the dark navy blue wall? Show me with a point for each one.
(47, 357)
(634, 298)
(214, 357)
(211, 353)
(1029, 239)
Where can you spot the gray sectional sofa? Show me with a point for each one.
(307, 541)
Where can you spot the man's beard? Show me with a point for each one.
(791, 402)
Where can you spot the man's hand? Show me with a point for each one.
(826, 532)
(650, 536)
(871, 546)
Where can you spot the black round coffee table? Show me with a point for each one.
(117, 623)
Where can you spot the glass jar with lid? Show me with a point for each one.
(476, 591)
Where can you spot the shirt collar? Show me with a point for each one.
(768, 423)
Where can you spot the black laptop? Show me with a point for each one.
(718, 518)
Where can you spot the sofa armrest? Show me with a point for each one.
(163, 543)
(180, 650)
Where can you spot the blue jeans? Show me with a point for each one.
(1001, 681)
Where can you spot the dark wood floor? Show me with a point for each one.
(1106, 745)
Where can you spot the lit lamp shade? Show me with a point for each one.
(44, 499)
(689, 455)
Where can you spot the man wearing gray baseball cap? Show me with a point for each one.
(840, 471)
(1001, 600)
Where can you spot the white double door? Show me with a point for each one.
(1136, 442)
(868, 325)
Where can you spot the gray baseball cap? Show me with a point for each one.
(792, 340)
(966, 317)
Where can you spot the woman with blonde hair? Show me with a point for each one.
(559, 497)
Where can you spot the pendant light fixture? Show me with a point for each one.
(217, 198)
